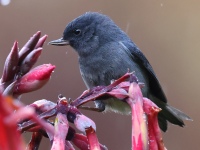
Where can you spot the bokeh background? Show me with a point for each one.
(168, 33)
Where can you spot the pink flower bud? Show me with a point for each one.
(9, 89)
(10, 65)
(29, 46)
(30, 60)
(34, 79)
(41, 41)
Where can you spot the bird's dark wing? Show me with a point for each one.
(169, 113)
(137, 55)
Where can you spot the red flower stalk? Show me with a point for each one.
(139, 124)
(34, 79)
(61, 129)
(155, 137)
(98, 91)
(92, 138)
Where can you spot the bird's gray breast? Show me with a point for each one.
(108, 62)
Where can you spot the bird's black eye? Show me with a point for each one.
(77, 31)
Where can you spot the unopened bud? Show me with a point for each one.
(30, 60)
(34, 79)
(10, 65)
(41, 41)
(29, 46)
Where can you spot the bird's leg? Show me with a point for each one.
(91, 108)
(100, 106)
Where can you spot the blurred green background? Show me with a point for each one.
(167, 32)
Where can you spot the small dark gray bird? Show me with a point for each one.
(106, 53)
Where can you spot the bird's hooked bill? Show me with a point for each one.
(59, 42)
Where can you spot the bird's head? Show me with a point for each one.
(87, 32)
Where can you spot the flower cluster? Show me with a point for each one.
(19, 78)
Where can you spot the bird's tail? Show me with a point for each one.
(169, 113)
